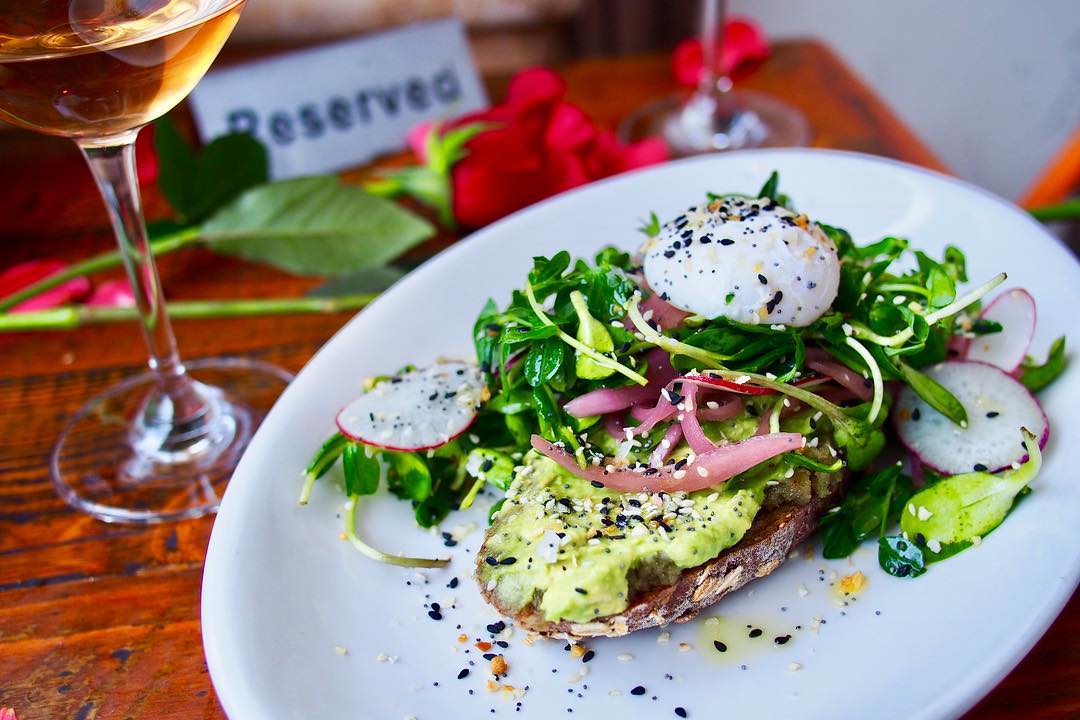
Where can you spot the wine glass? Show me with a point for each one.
(162, 444)
(715, 117)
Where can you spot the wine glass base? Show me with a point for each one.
(106, 463)
(700, 123)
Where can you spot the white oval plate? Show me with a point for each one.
(283, 595)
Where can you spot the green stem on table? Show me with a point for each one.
(104, 261)
(74, 316)
(1068, 210)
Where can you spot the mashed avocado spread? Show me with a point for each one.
(578, 552)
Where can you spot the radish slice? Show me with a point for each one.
(1015, 310)
(418, 410)
(997, 407)
(740, 388)
(711, 468)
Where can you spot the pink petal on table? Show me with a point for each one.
(112, 293)
(19, 276)
(417, 138)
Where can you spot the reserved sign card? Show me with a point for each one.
(336, 106)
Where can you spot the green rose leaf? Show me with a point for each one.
(314, 226)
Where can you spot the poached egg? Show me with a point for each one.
(752, 261)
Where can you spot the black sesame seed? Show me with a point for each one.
(781, 639)
(434, 614)
(436, 607)
(487, 465)
(596, 484)
(681, 712)
(491, 560)
(721, 647)
(727, 241)
(762, 279)
(669, 253)
(771, 305)
(992, 414)
(979, 467)
(463, 674)
(502, 643)
(581, 591)
(589, 655)
(496, 627)
(453, 583)
(639, 690)
(756, 632)
(915, 414)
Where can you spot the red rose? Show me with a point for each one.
(743, 42)
(535, 145)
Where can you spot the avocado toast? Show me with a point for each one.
(660, 428)
(588, 561)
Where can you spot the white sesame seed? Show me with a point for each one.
(341, 650)
(663, 638)
(702, 471)
(934, 544)
(624, 658)
(924, 514)
(794, 666)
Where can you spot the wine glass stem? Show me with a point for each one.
(714, 80)
(112, 163)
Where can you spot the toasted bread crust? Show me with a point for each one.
(767, 543)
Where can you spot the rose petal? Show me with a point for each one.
(21, 275)
(417, 138)
(743, 42)
(535, 86)
(569, 128)
(112, 293)
(146, 159)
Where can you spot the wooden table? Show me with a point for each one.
(102, 620)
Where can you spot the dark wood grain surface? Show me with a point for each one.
(102, 621)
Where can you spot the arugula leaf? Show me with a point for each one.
(934, 393)
(198, 183)
(652, 227)
(515, 335)
(771, 186)
(900, 557)
(410, 477)
(874, 503)
(960, 507)
(486, 333)
(362, 471)
(314, 226)
(544, 360)
(1035, 377)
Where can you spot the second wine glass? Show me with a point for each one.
(716, 117)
